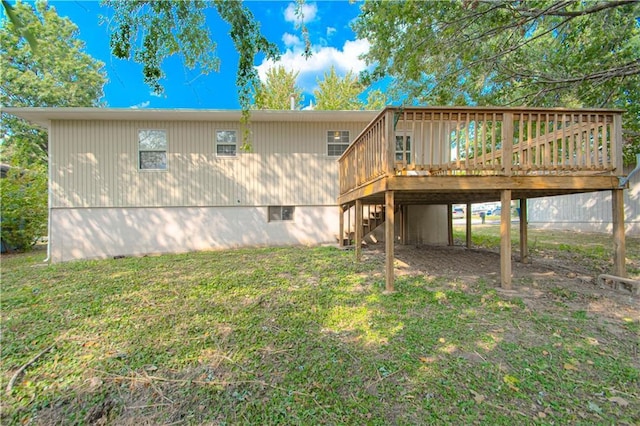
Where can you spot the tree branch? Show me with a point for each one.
(598, 8)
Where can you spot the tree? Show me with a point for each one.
(533, 53)
(343, 93)
(276, 91)
(58, 73)
(24, 206)
(152, 31)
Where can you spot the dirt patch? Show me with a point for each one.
(544, 284)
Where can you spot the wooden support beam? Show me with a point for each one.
(341, 233)
(619, 245)
(450, 224)
(358, 230)
(403, 224)
(524, 233)
(505, 239)
(389, 239)
(467, 215)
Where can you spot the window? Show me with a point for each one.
(403, 146)
(337, 142)
(281, 213)
(226, 143)
(152, 149)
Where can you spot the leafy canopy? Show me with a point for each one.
(533, 53)
(151, 31)
(58, 73)
(342, 93)
(276, 91)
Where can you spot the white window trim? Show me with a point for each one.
(166, 150)
(411, 152)
(327, 143)
(215, 141)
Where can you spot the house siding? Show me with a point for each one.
(95, 164)
(95, 233)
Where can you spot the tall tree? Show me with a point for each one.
(343, 93)
(338, 93)
(57, 73)
(535, 53)
(276, 91)
(152, 31)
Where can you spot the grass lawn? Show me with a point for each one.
(299, 336)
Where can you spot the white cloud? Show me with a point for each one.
(344, 59)
(331, 31)
(291, 40)
(140, 105)
(309, 11)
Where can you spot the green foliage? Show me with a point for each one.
(276, 92)
(58, 73)
(23, 211)
(152, 31)
(338, 93)
(265, 336)
(536, 53)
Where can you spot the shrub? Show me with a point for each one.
(23, 209)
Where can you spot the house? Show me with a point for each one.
(131, 182)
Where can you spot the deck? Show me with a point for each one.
(457, 155)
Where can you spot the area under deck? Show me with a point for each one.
(427, 156)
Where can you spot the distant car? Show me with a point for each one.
(458, 213)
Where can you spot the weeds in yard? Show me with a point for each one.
(296, 336)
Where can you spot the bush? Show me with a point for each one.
(23, 210)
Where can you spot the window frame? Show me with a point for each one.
(409, 152)
(226, 143)
(331, 141)
(165, 151)
(270, 211)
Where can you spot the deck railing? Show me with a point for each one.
(483, 141)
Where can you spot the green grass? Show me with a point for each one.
(297, 336)
(592, 251)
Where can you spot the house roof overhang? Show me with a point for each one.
(44, 116)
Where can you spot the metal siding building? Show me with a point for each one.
(102, 204)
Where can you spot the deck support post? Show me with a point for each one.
(467, 216)
(341, 230)
(450, 224)
(358, 236)
(619, 245)
(403, 224)
(505, 239)
(524, 245)
(389, 239)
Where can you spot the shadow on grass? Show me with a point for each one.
(295, 335)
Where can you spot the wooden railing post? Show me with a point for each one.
(390, 139)
(616, 145)
(507, 142)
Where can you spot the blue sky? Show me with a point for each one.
(334, 43)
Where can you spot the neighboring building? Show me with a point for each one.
(132, 182)
(590, 212)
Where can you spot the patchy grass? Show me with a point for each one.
(297, 336)
(593, 252)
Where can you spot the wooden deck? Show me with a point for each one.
(451, 155)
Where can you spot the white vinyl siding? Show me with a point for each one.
(337, 142)
(152, 149)
(95, 164)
